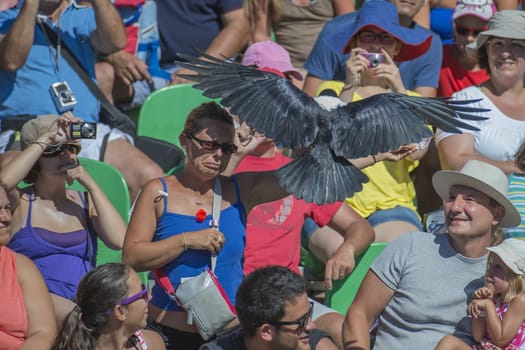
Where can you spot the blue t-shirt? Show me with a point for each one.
(327, 61)
(26, 91)
(186, 25)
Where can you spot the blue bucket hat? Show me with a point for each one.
(383, 15)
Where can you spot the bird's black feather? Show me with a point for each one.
(275, 107)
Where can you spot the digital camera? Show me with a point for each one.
(62, 96)
(374, 59)
(83, 130)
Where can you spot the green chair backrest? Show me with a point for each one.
(114, 186)
(164, 112)
(344, 291)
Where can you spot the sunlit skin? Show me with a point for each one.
(469, 213)
(207, 163)
(137, 311)
(496, 275)
(5, 218)
(285, 337)
(506, 57)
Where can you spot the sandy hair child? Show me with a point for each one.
(498, 309)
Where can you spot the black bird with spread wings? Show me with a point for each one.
(275, 107)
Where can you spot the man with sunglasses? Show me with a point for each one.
(274, 314)
(459, 68)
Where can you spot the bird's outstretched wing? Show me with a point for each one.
(385, 122)
(267, 102)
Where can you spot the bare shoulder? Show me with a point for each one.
(153, 340)
(25, 267)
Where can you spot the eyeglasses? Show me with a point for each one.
(55, 151)
(369, 37)
(301, 321)
(143, 293)
(226, 148)
(465, 31)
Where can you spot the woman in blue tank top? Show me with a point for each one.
(53, 226)
(170, 225)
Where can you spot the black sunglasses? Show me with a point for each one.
(369, 37)
(469, 31)
(226, 148)
(302, 321)
(55, 151)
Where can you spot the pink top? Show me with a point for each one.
(13, 323)
(517, 343)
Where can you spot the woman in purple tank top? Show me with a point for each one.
(53, 226)
(170, 227)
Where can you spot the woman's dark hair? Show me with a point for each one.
(33, 173)
(199, 117)
(263, 294)
(483, 58)
(98, 293)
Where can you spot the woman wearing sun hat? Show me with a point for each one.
(53, 226)
(387, 200)
(501, 51)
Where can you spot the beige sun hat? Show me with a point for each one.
(504, 24)
(512, 252)
(483, 177)
(36, 127)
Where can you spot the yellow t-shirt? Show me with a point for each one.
(389, 183)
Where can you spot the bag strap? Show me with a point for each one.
(75, 64)
(216, 214)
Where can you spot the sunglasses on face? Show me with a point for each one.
(143, 293)
(55, 151)
(302, 321)
(465, 31)
(212, 146)
(368, 37)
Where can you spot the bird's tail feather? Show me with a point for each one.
(321, 179)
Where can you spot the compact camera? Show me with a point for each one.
(375, 59)
(62, 96)
(83, 130)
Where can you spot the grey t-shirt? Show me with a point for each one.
(433, 285)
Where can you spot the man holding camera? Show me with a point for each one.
(35, 78)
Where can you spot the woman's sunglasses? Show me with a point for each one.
(55, 151)
(465, 31)
(226, 148)
(370, 37)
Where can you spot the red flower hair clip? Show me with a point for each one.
(201, 215)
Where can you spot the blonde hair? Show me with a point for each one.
(516, 282)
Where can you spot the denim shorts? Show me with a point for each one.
(398, 213)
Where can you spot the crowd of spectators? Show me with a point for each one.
(414, 294)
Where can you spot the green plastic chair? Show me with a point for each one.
(164, 112)
(344, 291)
(114, 186)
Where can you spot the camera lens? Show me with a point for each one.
(87, 131)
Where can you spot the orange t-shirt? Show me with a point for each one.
(13, 322)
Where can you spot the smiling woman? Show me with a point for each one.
(501, 51)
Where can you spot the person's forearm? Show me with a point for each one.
(457, 161)
(494, 325)
(359, 235)
(355, 332)
(110, 35)
(16, 44)
(20, 166)
(145, 256)
(230, 40)
(109, 225)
